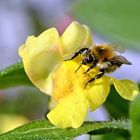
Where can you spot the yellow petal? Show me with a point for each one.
(40, 56)
(98, 92)
(73, 99)
(68, 88)
(66, 81)
(75, 37)
(88, 37)
(126, 88)
(70, 112)
(52, 104)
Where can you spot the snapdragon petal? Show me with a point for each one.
(65, 81)
(70, 112)
(126, 88)
(40, 56)
(98, 92)
(75, 37)
(68, 91)
(73, 99)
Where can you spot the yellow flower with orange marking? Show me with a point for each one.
(43, 60)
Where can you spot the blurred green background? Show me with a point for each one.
(117, 20)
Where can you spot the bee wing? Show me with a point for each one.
(117, 47)
(119, 59)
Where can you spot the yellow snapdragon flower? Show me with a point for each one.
(43, 60)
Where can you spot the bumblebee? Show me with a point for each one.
(104, 56)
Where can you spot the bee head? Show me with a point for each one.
(88, 59)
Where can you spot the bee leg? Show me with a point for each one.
(78, 68)
(91, 67)
(102, 71)
(77, 53)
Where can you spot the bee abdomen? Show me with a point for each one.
(111, 69)
(108, 66)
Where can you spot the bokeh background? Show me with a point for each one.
(110, 20)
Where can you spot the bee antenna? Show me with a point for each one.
(78, 68)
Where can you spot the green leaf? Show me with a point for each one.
(44, 130)
(135, 117)
(113, 102)
(118, 19)
(13, 75)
